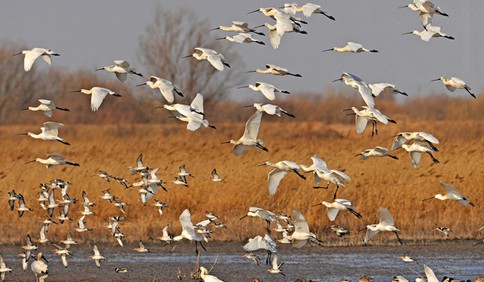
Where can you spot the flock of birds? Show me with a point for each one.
(294, 229)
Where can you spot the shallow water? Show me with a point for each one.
(455, 259)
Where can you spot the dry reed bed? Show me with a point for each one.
(375, 182)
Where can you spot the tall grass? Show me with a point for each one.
(381, 182)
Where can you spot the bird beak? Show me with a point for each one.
(240, 87)
(24, 109)
(213, 29)
(426, 199)
(402, 7)
(100, 69)
(357, 155)
(346, 110)
(435, 79)
(226, 142)
(16, 54)
(141, 84)
(410, 32)
(76, 91)
(188, 56)
(243, 217)
(316, 205)
(339, 79)
(248, 106)
(25, 133)
(250, 71)
(327, 50)
(258, 25)
(30, 161)
(262, 164)
(221, 38)
(42, 257)
(117, 95)
(253, 12)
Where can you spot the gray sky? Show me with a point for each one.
(91, 34)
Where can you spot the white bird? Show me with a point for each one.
(25, 264)
(429, 32)
(217, 60)
(207, 277)
(386, 224)
(268, 90)
(301, 234)
(68, 240)
(416, 149)
(351, 47)
(121, 69)
(50, 132)
(165, 237)
(3, 269)
(262, 243)
(193, 114)
(81, 227)
(383, 87)
(274, 37)
(166, 87)
(32, 55)
(275, 70)
(46, 106)
(357, 83)
(43, 239)
(452, 83)
(276, 266)
(29, 247)
(53, 160)
(266, 215)
(419, 136)
(40, 268)
(238, 26)
(444, 230)
(97, 95)
(452, 194)
(214, 176)
(280, 170)
(369, 114)
(338, 205)
(271, 109)
(378, 151)
(249, 138)
(426, 10)
(242, 38)
(407, 258)
(141, 248)
(63, 253)
(188, 231)
(307, 9)
(429, 273)
(97, 257)
(21, 205)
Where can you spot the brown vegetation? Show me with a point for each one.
(375, 182)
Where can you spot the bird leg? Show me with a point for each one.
(269, 256)
(268, 226)
(398, 238)
(203, 247)
(433, 158)
(262, 147)
(336, 191)
(299, 174)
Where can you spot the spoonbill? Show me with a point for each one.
(271, 109)
(369, 114)
(357, 83)
(452, 194)
(266, 215)
(207, 277)
(238, 26)
(274, 37)
(352, 48)
(217, 60)
(386, 224)
(188, 231)
(192, 114)
(416, 149)
(53, 160)
(338, 205)
(3, 269)
(249, 138)
(426, 10)
(301, 234)
(166, 87)
(32, 55)
(275, 70)
(429, 273)
(242, 38)
(49, 132)
(97, 95)
(268, 90)
(378, 151)
(40, 268)
(383, 87)
(429, 32)
(97, 257)
(46, 106)
(264, 243)
(452, 83)
(280, 170)
(307, 9)
(419, 136)
(121, 69)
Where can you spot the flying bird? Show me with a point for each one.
(268, 90)
(378, 151)
(452, 194)
(216, 59)
(352, 48)
(280, 170)
(53, 160)
(46, 106)
(97, 95)
(275, 70)
(50, 132)
(121, 69)
(166, 87)
(32, 55)
(452, 83)
(386, 224)
(249, 138)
